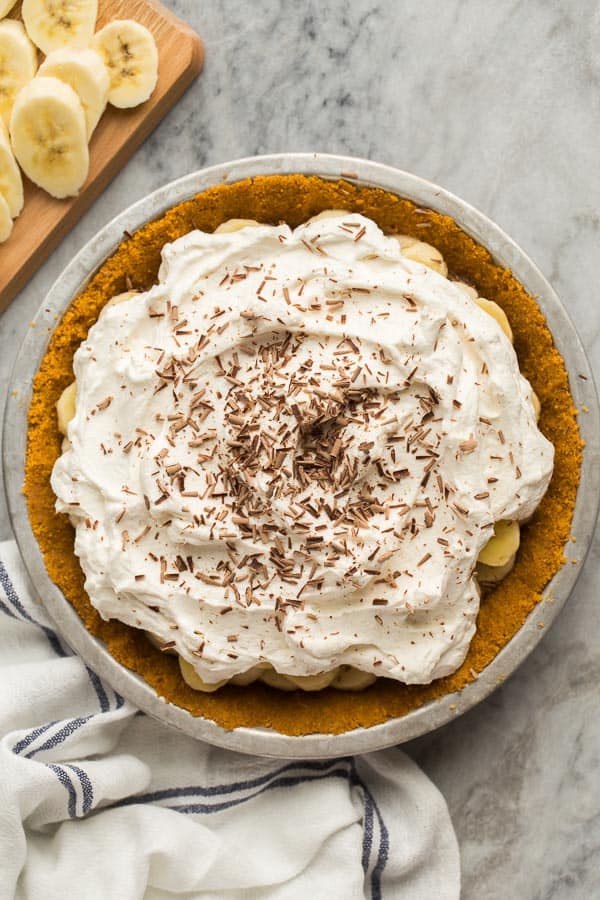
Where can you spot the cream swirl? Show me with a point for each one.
(292, 449)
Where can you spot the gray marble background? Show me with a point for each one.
(500, 103)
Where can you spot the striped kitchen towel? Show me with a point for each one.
(97, 800)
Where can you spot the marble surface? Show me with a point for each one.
(499, 103)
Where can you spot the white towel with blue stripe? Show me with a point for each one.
(100, 802)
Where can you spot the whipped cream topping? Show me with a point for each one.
(292, 449)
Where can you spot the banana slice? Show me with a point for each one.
(85, 72)
(6, 222)
(235, 225)
(537, 406)
(48, 135)
(6, 6)
(119, 298)
(469, 291)
(313, 682)
(276, 680)
(156, 642)
(52, 24)
(65, 407)
(404, 240)
(505, 543)
(350, 679)
(488, 306)
(130, 55)
(18, 64)
(424, 253)
(497, 313)
(11, 183)
(191, 677)
(493, 574)
(326, 214)
(253, 674)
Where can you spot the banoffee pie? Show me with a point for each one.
(296, 454)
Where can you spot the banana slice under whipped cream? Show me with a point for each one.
(287, 457)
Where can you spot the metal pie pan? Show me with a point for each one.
(258, 740)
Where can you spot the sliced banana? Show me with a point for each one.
(497, 313)
(11, 183)
(6, 6)
(6, 222)
(537, 406)
(130, 55)
(65, 407)
(235, 225)
(276, 680)
(505, 543)
(424, 253)
(85, 72)
(18, 64)
(493, 574)
(52, 24)
(253, 674)
(469, 291)
(159, 644)
(191, 678)
(48, 135)
(119, 298)
(313, 682)
(347, 678)
(404, 240)
(326, 214)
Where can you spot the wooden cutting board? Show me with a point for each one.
(45, 221)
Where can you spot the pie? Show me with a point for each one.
(291, 450)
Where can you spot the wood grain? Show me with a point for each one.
(45, 221)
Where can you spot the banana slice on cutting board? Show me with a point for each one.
(130, 55)
(6, 222)
(191, 678)
(232, 225)
(500, 549)
(6, 6)
(52, 24)
(18, 64)
(49, 138)
(85, 72)
(11, 183)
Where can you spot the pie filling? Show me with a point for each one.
(296, 457)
